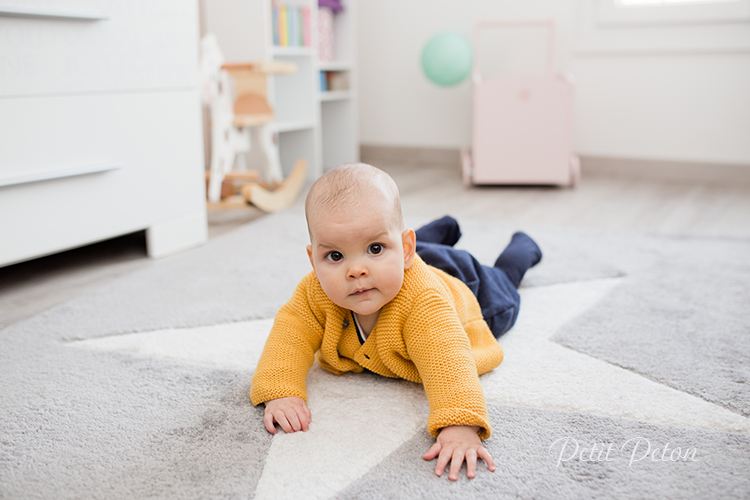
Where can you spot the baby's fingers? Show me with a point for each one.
(268, 421)
(443, 459)
(303, 418)
(306, 422)
(456, 461)
(307, 412)
(293, 419)
(432, 452)
(281, 419)
(485, 455)
(471, 463)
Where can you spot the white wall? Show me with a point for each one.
(677, 104)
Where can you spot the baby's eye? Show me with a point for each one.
(375, 248)
(334, 256)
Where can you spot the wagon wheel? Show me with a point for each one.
(575, 170)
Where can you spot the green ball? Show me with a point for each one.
(447, 58)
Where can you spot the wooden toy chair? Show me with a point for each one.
(233, 115)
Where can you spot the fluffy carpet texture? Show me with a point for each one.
(626, 376)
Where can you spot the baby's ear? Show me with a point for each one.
(409, 240)
(309, 256)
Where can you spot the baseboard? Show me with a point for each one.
(704, 173)
(408, 154)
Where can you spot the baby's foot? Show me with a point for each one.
(521, 254)
(444, 231)
(532, 246)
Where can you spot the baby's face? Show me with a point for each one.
(359, 257)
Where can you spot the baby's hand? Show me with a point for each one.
(291, 413)
(455, 444)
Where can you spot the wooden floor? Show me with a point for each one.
(627, 204)
(427, 190)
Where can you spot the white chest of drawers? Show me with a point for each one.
(100, 131)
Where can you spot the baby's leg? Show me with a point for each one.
(496, 294)
(521, 254)
(444, 231)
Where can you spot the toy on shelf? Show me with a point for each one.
(327, 10)
(233, 115)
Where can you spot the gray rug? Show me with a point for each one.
(140, 389)
(533, 451)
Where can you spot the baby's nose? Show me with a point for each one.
(357, 270)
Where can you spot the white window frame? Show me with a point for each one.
(612, 13)
(597, 34)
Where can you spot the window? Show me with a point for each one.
(625, 12)
(628, 3)
(627, 27)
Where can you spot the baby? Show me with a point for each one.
(373, 302)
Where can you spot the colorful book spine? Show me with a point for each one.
(306, 27)
(300, 28)
(275, 21)
(283, 26)
(291, 25)
(324, 81)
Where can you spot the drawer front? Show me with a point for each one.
(110, 45)
(153, 139)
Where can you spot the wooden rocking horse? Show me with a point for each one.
(233, 116)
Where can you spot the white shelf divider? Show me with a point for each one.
(293, 126)
(335, 95)
(334, 66)
(280, 50)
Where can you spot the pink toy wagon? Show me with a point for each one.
(522, 125)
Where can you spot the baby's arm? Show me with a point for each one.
(442, 353)
(455, 444)
(291, 413)
(279, 379)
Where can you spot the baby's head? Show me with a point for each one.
(358, 248)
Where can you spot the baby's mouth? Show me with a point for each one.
(360, 291)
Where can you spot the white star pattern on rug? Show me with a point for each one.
(358, 420)
(540, 373)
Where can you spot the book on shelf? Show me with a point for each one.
(283, 26)
(291, 28)
(291, 25)
(306, 34)
(275, 23)
(324, 81)
(331, 81)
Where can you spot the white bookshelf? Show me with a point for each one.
(319, 126)
(335, 95)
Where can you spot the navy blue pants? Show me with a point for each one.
(494, 287)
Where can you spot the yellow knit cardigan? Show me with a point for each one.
(431, 333)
